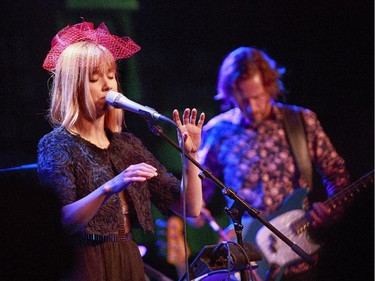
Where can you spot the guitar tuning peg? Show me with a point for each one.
(161, 223)
(161, 232)
(160, 244)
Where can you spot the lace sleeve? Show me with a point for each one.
(165, 188)
(55, 169)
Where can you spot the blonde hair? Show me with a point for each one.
(70, 94)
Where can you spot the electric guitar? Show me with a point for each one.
(175, 244)
(170, 242)
(293, 222)
(174, 248)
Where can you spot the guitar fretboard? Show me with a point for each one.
(342, 198)
(346, 195)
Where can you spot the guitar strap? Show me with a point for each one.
(295, 131)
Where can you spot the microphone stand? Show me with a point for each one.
(239, 206)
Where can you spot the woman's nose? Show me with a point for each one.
(107, 85)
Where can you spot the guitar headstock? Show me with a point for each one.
(175, 241)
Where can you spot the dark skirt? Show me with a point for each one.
(109, 261)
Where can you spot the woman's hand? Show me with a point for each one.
(190, 129)
(77, 214)
(134, 173)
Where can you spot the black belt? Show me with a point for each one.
(98, 238)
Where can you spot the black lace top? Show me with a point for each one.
(76, 167)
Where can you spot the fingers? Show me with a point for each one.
(140, 172)
(176, 118)
(134, 173)
(193, 116)
(189, 117)
(322, 210)
(185, 116)
(320, 214)
(201, 120)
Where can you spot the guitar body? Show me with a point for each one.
(274, 250)
(292, 202)
(292, 221)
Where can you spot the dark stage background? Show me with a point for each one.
(326, 47)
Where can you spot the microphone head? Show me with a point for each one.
(118, 100)
(112, 98)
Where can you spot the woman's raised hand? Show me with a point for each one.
(190, 129)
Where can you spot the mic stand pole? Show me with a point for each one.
(236, 217)
(239, 206)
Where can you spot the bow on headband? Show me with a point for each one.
(120, 47)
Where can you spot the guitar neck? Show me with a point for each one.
(342, 198)
(346, 195)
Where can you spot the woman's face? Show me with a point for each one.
(100, 82)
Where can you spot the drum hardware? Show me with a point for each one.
(221, 259)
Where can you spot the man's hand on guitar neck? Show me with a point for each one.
(323, 215)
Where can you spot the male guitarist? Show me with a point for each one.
(260, 152)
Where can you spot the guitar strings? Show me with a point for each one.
(361, 183)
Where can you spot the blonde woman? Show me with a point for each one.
(106, 179)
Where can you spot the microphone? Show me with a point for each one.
(118, 100)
